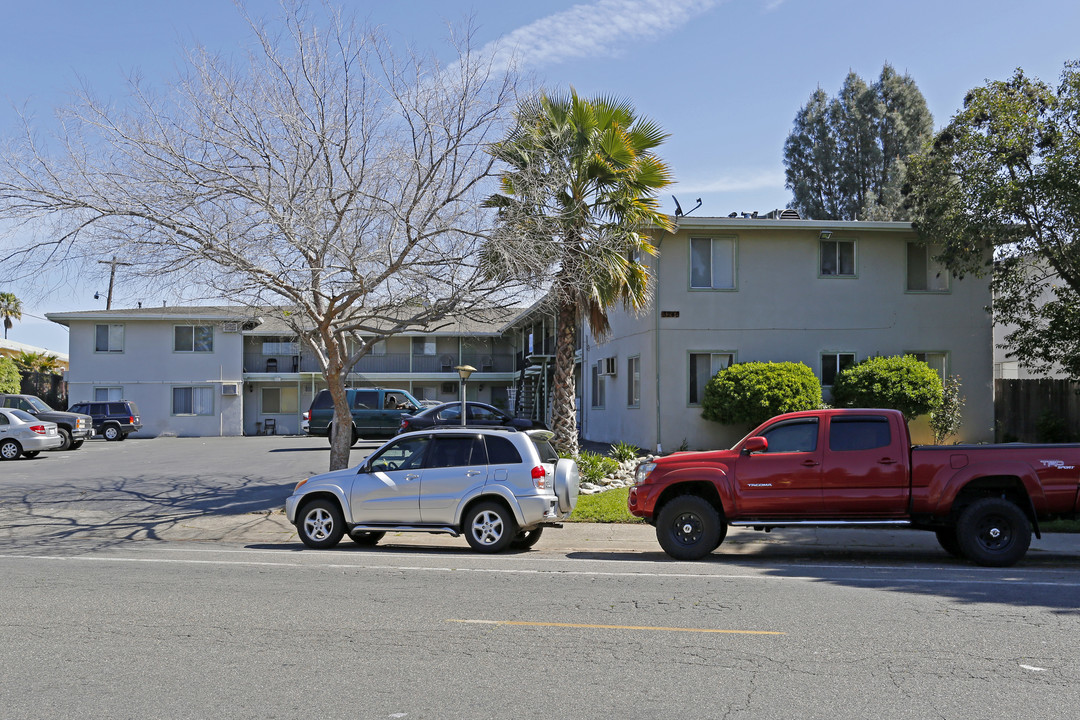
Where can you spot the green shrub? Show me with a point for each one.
(946, 418)
(900, 383)
(623, 452)
(751, 393)
(1052, 428)
(10, 379)
(594, 466)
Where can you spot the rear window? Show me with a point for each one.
(118, 409)
(322, 401)
(544, 448)
(865, 433)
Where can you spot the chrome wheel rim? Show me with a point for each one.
(9, 451)
(318, 524)
(488, 527)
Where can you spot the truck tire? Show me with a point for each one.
(946, 538)
(65, 435)
(689, 528)
(993, 532)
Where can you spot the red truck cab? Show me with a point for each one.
(856, 467)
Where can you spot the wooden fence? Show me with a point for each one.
(1036, 411)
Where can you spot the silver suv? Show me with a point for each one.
(497, 486)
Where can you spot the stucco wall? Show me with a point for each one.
(782, 310)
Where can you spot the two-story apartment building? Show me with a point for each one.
(210, 371)
(827, 294)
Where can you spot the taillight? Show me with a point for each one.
(404, 425)
(307, 415)
(539, 476)
(131, 420)
(39, 429)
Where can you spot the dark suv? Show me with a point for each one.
(113, 420)
(376, 412)
(73, 428)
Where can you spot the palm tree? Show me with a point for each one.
(578, 194)
(10, 309)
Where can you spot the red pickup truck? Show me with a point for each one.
(857, 468)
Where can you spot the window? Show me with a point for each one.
(193, 401)
(838, 258)
(406, 454)
(858, 433)
(280, 401)
(456, 452)
(797, 436)
(193, 338)
(109, 338)
(104, 394)
(502, 452)
(423, 346)
(633, 382)
(832, 364)
(712, 263)
(365, 400)
(479, 413)
(924, 274)
(599, 396)
(938, 361)
(703, 366)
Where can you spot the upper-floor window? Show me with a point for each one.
(109, 338)
(712, 263)
(924, 274)
(837, 258)
(193, 338)
(423, 346)
(703, 366)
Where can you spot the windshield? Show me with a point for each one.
(38, 404)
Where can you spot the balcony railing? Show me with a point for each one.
(388, 363)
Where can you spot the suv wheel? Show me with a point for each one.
(111, 432)
(993, 532)
(526, 538)
(9, 450)
(321, 524)
(489, 527)
(689, 528)
(65, 435)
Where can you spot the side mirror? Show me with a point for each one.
(755, 444)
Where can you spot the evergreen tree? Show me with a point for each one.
(845, 157)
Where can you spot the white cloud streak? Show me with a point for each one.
(750, 180)
(606, 28)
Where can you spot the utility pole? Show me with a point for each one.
(112, 277)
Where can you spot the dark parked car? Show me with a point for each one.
(476, 414)
(113, 420)
(73, 428)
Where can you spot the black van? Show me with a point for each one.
(113, 420)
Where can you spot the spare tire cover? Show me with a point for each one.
(567, 479)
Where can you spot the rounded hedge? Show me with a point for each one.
(751, 393)
(899, 383)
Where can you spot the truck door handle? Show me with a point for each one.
(810, 463)
(886, 461)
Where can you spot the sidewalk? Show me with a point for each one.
(596, 538)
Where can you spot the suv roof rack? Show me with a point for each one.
(452, 428)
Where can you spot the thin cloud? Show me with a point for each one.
(605, 29)
(752, 180)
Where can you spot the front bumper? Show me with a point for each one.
(82, 433)
(290, 507)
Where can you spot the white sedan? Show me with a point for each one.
(23, 434)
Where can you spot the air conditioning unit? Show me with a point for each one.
(230, 327)
(608, 366)
(230, 388)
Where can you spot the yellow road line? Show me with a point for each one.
(615, 627)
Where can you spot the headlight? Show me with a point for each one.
(643, 472)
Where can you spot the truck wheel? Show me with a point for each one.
(946, 538)
(321, 524)
(993, 532)
(65, 435)
(689, 528)
(75, 445)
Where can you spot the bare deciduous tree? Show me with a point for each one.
(327, 174)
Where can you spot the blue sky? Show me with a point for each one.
(725, 78)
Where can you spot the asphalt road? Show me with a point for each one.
(115, 605)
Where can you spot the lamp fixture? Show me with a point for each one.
(825, 234)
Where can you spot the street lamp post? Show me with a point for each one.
(464, 371)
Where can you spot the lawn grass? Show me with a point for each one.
(605, 507)
(1060, 526)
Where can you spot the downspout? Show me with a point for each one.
(656, 344)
